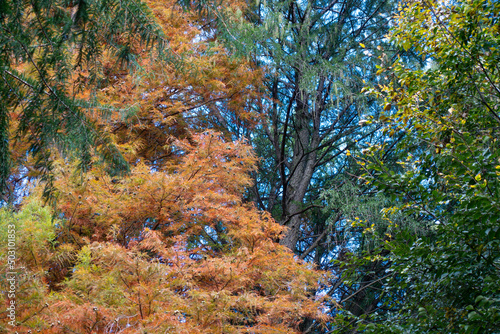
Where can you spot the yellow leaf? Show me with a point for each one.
(478, 177)
(362, 45)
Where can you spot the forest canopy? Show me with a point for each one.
(249, 166)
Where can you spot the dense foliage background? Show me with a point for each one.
(250, 166)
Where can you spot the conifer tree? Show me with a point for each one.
(316, 65)
(317, 55)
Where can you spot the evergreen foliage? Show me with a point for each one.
(316, 67)
(51, 51)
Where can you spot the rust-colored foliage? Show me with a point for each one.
(202, 187)
(171, 247)
(201, 87)
(172, 252)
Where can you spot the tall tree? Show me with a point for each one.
(316, 67)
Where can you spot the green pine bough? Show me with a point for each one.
(43, 43)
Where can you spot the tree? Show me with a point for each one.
(171, 246)
(317, 54)
(174, 251)
(447, 273)
(315, 72)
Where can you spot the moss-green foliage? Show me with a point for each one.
(361, 228)
(34, 230)
(33, 247)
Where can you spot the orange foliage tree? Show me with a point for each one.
(171, 247)
(175, 251)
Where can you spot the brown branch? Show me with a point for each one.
(318, 239)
